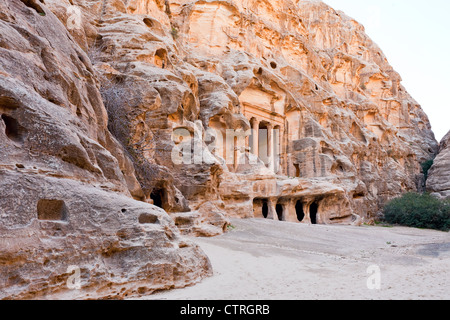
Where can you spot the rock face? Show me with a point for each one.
(335, 131)
(439, 176)
(206, 109)
(65, 181)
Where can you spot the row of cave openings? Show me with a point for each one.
(302, 211)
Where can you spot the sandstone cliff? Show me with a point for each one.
(439, 176)
(65, 181)
(95, 96)
(349, 135)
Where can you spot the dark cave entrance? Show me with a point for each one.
(299, 211)
(313, 210)
(157, 196)
(279, 210)
(265, 209)
(13, 130)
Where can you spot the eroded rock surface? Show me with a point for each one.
(95, 96)
(66, 183)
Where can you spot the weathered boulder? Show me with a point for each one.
(120, 247)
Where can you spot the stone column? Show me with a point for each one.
(270, 155)
(235, 153)
(282, 153)
(278, 150)
(290, 213)
(255, 137)
(272, 211)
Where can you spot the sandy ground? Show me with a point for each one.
(271, 260)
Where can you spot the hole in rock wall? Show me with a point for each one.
(157, 196)
(161, 58)
(148, 22)
(273, 64)
(148, 218)
(13, 130)
(297, 170)
(265, 209)
(279, 210)
(299, 211)
(313, 210)
(52, 210)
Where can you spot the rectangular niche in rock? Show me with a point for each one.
(52, 210)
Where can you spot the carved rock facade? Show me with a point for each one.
(288, 110)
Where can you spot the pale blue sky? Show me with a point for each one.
(415, 37)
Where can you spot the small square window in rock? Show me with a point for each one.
(52, 210)
(148, 218)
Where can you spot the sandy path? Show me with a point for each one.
(270, 260)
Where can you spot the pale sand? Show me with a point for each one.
(270, 260)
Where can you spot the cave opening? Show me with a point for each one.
(313, 210)
(279, 210)
(157, 196)
(13, 129)
(299, 211)
(265, 209)
(161, 58)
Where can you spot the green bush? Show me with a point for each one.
(419, 211)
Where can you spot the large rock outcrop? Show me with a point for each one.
(439, 176)
(66, 183)
(206, 109)
(350, 136)
(333, 128)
